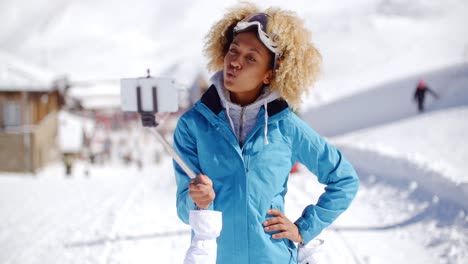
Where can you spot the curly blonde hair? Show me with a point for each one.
(299, 65)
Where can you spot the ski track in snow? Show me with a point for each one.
(412, 208)
(62, 209)
(386, 217)
(299, 194)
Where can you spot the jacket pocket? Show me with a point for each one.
(292, 250)
(289, 246)
(277, 203)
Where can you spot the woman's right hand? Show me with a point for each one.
(201, 190)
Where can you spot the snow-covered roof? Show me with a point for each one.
(111, 88)
(19, 75)
(101, 102)
(98, 95)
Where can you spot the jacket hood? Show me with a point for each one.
(243, 118)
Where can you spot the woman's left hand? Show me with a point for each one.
(281, 223)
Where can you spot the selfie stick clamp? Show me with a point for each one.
(147, 117)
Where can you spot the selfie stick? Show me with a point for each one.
(148, 120)
(174, 154)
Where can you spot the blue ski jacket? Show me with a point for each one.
(252, 178)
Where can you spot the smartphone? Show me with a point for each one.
(148, 94)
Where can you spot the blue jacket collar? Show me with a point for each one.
(211, 100)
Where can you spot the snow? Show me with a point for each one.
(101, 102)
(411, 206)
(116, 215)
(18, 75)
(97, 95)
(421, 141)
(390, 102)
(95, 89)
(120, 214)
(71, 130)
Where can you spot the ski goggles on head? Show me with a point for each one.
(259, 21)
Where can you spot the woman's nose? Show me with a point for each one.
(235, 63)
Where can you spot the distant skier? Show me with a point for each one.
(420, 92)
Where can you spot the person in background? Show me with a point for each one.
(242, 139)
(68, 163)
(420, 94)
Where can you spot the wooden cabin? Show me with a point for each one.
(29, 103)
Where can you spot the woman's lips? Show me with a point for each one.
(230, 75)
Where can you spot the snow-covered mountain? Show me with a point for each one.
(363, 43)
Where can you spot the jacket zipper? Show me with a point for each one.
(241, 126)
(246, 163)
(241, 141)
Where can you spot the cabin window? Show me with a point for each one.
(44, 99)
(11, 114)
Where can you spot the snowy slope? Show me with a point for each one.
(435, 143)
(389, 102)
(117, 215)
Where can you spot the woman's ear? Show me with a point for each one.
(268, 77)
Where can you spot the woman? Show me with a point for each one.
(242, 139)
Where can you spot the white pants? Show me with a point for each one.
(206, 226)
